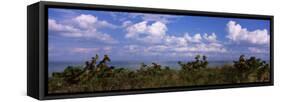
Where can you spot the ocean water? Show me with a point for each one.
(59, 66)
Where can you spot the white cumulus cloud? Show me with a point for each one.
(87, 20)
(196, 38)
(239, 34)
(82, 26)
(55, 26)
(210, 38)
(142, 31)
(156, 40)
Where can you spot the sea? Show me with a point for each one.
(59, 66)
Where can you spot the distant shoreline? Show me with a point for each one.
(59, 66)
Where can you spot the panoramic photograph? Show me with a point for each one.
(99, 51)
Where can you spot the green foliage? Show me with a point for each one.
(251, 68)
(195, 65)
(102, 77)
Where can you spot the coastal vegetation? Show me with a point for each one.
(97, 75)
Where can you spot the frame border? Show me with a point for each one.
(43, 48)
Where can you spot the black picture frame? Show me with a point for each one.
(37, 48)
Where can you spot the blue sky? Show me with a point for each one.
(77, 35)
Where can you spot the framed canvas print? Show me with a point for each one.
(82, 50)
